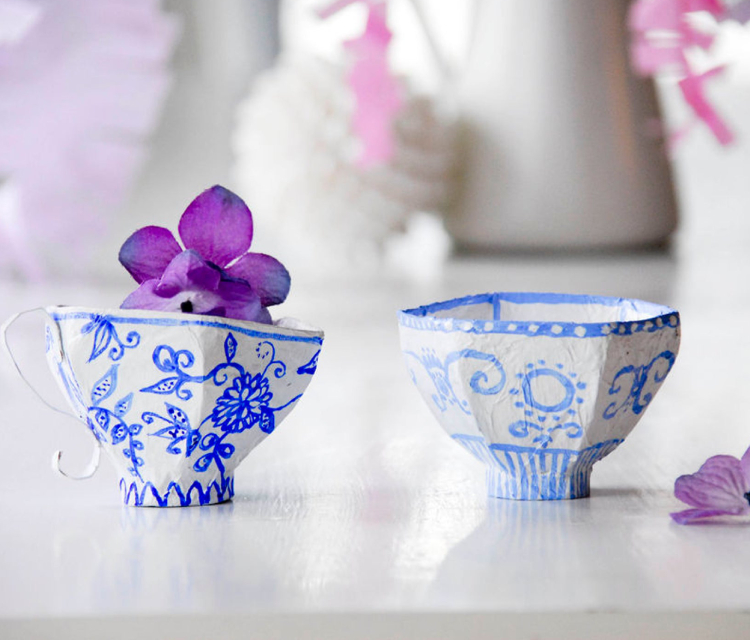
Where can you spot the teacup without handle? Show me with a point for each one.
(539, 386)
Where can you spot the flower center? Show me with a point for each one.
(186, 307)
(747, 497)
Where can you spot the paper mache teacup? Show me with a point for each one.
(177, 400)
(539, 386)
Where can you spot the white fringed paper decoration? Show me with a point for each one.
(296, 161)
(81, 86)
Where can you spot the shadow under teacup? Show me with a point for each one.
(539, 386)
(177, 400)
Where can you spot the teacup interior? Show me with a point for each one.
(544, 307)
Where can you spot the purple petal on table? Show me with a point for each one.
(718, 484)
(188, 272)
(218, 225)
(694, 515)
(148, 252)
(266, 275)
(745, 467)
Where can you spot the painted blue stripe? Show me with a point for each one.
(529, 473)
(174, 322)
(524, 477)
(512, 474)
(660, 316)
(533, 297)
(554, 480)
(496, 307)
(516, 448)
(534, 476)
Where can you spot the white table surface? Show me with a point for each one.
(359, 518)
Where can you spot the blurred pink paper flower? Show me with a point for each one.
(215, 275)
(663, 35)
(721, 487)
(81, 86)
(378, 96)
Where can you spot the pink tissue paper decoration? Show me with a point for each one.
(378, 96)
(721, 487)
(81, 86)
(663, 35)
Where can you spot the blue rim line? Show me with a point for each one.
(657, 317)
(174, 322)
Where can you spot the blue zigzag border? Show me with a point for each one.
(132, 496)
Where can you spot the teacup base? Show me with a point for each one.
(136, 493)
(529, 473)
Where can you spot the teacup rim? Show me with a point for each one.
(257, 329)
(418, 318)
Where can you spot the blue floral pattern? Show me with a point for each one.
(245, 402)
(109, 424)
(243, 405)
(245, 399)
(543, 418)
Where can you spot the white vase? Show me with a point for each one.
(558, 148)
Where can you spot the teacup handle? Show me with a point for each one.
(93, 464)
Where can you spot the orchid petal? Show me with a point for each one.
(145, 297)
(188, 272)
(241, 302)
(218, 225)
(718, 484)
(265, 274)
(148, 252)
(692, 515)
(201, 302)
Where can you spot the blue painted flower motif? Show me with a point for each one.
(243, 404)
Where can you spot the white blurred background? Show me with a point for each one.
(222, 47)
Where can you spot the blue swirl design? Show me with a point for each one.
(245, 402)
(439, 373)
(637, 398)
(105, 335)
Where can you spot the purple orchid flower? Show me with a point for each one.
(215, 275)
(721, 487)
